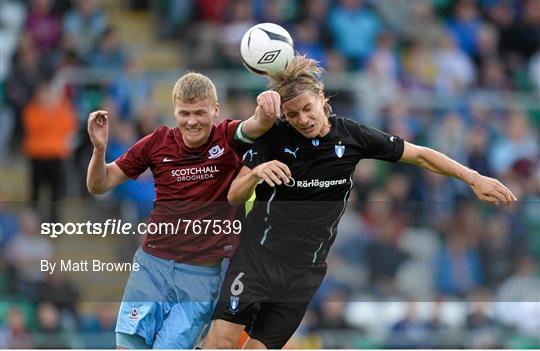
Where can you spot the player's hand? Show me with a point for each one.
(273, 172)
(492, 191)
(268, 106)
(98, 128)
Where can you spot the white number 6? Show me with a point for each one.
(237, 286)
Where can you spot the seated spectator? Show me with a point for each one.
(109, 54)
(131, 91)
(50, 331)
(410, 331)
(498, 253)
(44, 26)
(307, 41)
(465, 24)
(98, 328)
(458, 269)
(83, 26)
(24, 254)
(354, 28)
(483, 331)
(61, 292)
(517, 143)
(455, 70)
(14, 334)
(517, 298)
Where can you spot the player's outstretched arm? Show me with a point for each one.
(268, 109)
(485, 188)
(101, 177)
(272, 172)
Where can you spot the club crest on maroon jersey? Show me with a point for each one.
(215, 152)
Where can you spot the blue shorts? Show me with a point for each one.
(168, 304)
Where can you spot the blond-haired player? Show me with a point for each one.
(170, 299)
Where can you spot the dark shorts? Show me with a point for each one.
(267, 292)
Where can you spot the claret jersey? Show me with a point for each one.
(299, 219)
(191, 186)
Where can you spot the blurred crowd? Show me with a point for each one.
(418, 261)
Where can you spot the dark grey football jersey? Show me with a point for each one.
(299, 219)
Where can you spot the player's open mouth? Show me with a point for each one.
(309, 129)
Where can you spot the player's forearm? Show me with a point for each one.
(442, 164)
(256, 126)
(242, 188)
(96, 179)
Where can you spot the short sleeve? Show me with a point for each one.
(230, 129)
(377, 144)
(136, 160)
(231, 132)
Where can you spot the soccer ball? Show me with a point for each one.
(266, 49)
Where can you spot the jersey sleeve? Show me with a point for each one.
(377, 144)
(136, 160)
(234, 136)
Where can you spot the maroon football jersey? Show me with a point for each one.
(191, 192)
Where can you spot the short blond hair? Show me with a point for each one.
(193, 87)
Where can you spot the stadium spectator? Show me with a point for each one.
(51, 332)
(458, 269)
(518, 142)
(455, 70)
(44, 26)
(109, 54)
(307, 41)
(517, 298)
(354, 28)
(83, 26)
(99, 327)
(59, 290)
(477, 150)
(132, 91)
(24, 254)
(241, 19)
(482, 330)
(27, 70)
(465, 25)
(534, 70)
(498, 253)
(49, 123)
(15, 334)
(410, 331)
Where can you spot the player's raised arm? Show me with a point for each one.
(273, 172)
(268, 109)
(101, 177)
(485, 188)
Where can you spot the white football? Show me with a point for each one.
(266, 48)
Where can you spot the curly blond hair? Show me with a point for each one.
(193, 87)
(302, 74)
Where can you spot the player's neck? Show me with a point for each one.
(325, 129)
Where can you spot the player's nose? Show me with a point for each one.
(303, 120)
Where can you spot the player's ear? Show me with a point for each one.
(216, 110)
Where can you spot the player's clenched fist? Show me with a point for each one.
(273, 172)
(268, 105)
(98, 128)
